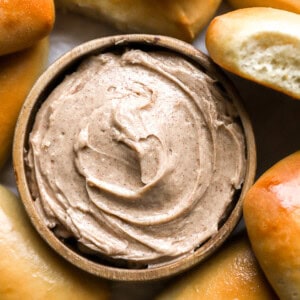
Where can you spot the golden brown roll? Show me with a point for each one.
(272, 216)
(18, 72)
(23, 23)
(182, 19)
(290, 5)
(233, 273)
(259, 44)
(30, 269)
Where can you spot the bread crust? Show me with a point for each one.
(30, 269)
(290, 5)
(272, 216)
(18, 72)
(23, 23)
(182, 19)
(260, 44)
(232, 273)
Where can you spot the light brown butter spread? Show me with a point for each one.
(136, 155)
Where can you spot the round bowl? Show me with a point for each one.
(51, 78)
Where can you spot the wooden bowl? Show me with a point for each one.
(50, 79)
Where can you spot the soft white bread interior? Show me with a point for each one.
(260, 44)
(272, 216)
(182, 19)
(30, 269)
(290, 5)
(232, 273)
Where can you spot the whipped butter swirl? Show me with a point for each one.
(136, 155)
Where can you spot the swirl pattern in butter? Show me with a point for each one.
(136, 155)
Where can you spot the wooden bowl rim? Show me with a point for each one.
(28, 112)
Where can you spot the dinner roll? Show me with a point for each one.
(233, 273)
(290, 5)
(272, 217)
(23, 23)
(18, 73)
(182, 19)
(30, 269)
(260, 44)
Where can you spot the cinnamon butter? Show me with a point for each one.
(137, 156)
